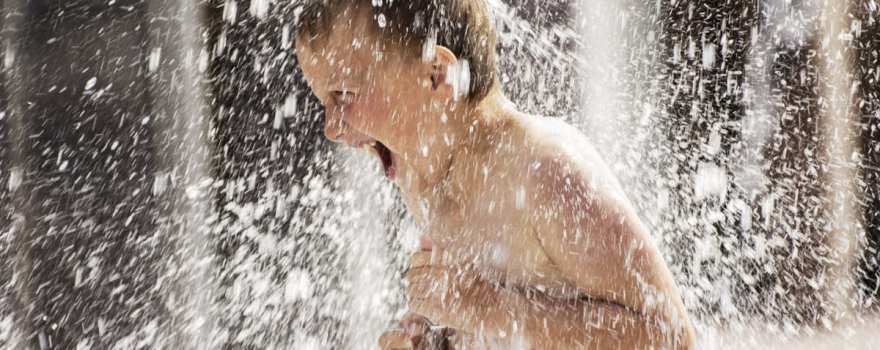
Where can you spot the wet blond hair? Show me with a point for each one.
(464, 27)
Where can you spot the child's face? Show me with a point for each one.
(373, 96)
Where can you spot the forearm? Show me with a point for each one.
(461, 300)
(544, 323)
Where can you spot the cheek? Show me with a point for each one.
(372, 113)
(387, 111)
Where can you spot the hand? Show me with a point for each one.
(447, 293)
(416, 332)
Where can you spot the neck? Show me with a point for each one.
(450, 145)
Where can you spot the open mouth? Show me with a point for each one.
(387, 161)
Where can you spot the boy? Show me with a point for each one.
(529, 240)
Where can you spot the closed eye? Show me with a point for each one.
(342, 98)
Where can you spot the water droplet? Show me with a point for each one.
(15, 179)
(459, 76)
(155, 56)
(91, 83)
(9, 58)
(230, 11)
(381, 20)
(160, 183)
(708, 56)
(429, 48)
(276, 123)
(259, 8)
(520, 198)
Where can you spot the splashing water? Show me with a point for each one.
(191, 202)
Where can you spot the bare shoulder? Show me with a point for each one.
(587, 227)
(559, 157)
(559, 178)
(569, 186)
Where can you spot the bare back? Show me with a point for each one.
(535, 191)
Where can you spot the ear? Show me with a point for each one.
(443, 60)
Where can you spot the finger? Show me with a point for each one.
(428, 307)
(415, 324)
(458, 340)
(424, 306)
(426, 282)
(434, 257)
(395, 339)
(414, 317)
(441, 257)
(420, 259)
(436, 339)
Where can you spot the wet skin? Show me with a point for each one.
(528, 237)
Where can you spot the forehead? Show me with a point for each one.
(349, 39)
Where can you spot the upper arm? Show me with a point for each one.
(592, 235)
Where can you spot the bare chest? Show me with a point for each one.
(497, 239)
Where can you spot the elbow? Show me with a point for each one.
(687, 338)
(656, 330)
(674, 333)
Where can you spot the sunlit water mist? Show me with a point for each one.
(742, 290)
(376, 237)
(319, 264)
(185, 174)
